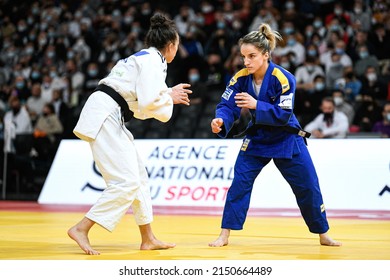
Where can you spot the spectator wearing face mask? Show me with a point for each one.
(367, 113)
(379, 36)
(372, 85)
(263, 15)
(339, 14)
(91, 80)
(319, 27)
(342, 105)
(365, 59)
(21, 88)
(220, 41)
(335, 70)
(286, 63)
(17, 123)
(307, 102)
(199, 88)
(312, 50)
(349, 84)
(330, 123)
(35, 74)
(360, 38)
(339, 48)
(292, 46)
(184, 18)
(360, 14)
(46, 132)
(35, 102)
(75, 81)
(290, 12)
(306, 73)
(383, 126)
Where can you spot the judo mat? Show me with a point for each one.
(29, 231)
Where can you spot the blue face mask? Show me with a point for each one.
(220, 25)
(319, 86)
(92, 73)
(70, 55)
(317, 24)
(388, 117)
(363, 54)
(194, 78)
(291, 42)
(35, 75)
(335, 27)
(29, 50)
(19, 85)
(339, 51)
(312, 52)
(288, 30)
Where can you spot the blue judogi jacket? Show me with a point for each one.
(274, 110)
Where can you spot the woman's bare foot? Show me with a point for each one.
(79, 233)
(326, 240)
(222, 240)
(156, 244)
(150, 242)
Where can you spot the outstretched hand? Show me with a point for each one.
(180, 94)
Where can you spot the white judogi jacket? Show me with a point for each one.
(140, 80)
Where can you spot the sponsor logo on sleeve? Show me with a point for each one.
(227, 93)
(286, 101)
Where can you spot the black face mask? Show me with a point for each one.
(349, 75)
(15, 110)
(328, 118)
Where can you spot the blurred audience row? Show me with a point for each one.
(53, 53)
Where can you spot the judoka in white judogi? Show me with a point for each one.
(140, 80)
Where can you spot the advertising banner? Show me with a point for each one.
(354, 174)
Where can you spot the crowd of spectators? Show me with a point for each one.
(53, 53)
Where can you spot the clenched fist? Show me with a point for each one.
(216, 125)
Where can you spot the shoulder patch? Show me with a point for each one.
(243, 72)
(282, 79)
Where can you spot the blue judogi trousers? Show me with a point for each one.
(299, 172)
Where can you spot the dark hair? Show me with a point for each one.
(329, 99)
(161, 32)
(50, 106)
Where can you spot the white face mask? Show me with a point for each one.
(388, 117)
(310, 68)
(371, 77)
(338, 100)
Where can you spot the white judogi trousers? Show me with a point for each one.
(125, 175)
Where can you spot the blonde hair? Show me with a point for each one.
(264, 39)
